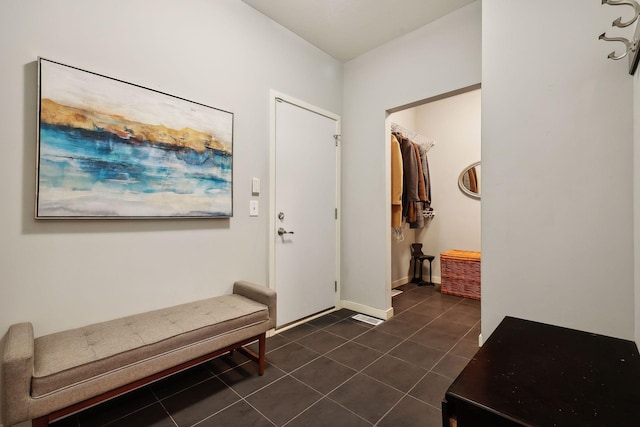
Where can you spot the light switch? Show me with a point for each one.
(255, 185)
(253, 208)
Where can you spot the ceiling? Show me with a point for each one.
(346, 29)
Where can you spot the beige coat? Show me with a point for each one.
(396, 183)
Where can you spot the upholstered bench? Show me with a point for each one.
(51, 376)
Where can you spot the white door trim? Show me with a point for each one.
(273, 97)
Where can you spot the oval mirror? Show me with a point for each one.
(469, 181)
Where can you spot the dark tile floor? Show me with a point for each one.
(331, 371)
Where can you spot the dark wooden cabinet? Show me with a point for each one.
(534, 374)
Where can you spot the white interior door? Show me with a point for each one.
(305, 225)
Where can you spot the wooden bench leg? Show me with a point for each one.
(262, 344)
(260, 357)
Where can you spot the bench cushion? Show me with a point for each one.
(70, 357)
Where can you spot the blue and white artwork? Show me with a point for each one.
(111, 149)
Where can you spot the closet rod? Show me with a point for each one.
(413, 136)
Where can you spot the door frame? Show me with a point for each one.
(274, 96)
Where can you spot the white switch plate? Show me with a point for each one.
(253, 208)
(255, 185)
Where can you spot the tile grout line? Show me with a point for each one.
(434, 365)
(164, 407)
(112, 422)
(405, 394)
(326, 395)
(361, 371)
(242, 398)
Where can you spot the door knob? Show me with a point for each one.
(282, 231)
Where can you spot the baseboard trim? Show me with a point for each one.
(405, 280)
(370, 311)
(400, 282)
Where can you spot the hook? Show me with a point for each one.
(630, 46)
(618, 22)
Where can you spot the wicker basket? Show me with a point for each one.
(460, 273)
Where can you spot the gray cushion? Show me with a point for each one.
(66, 358)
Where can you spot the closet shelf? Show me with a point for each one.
(412, 135)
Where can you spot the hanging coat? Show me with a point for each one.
(396, 183)
(410, 187)
(422, 194)
(425, 171)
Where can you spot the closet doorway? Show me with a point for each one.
(452, 121)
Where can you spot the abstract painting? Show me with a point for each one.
(112, 149)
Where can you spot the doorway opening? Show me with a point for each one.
(452, 122)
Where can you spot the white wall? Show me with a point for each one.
(438, 58)
(62, 274)
(454, 123)
(557, 222)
